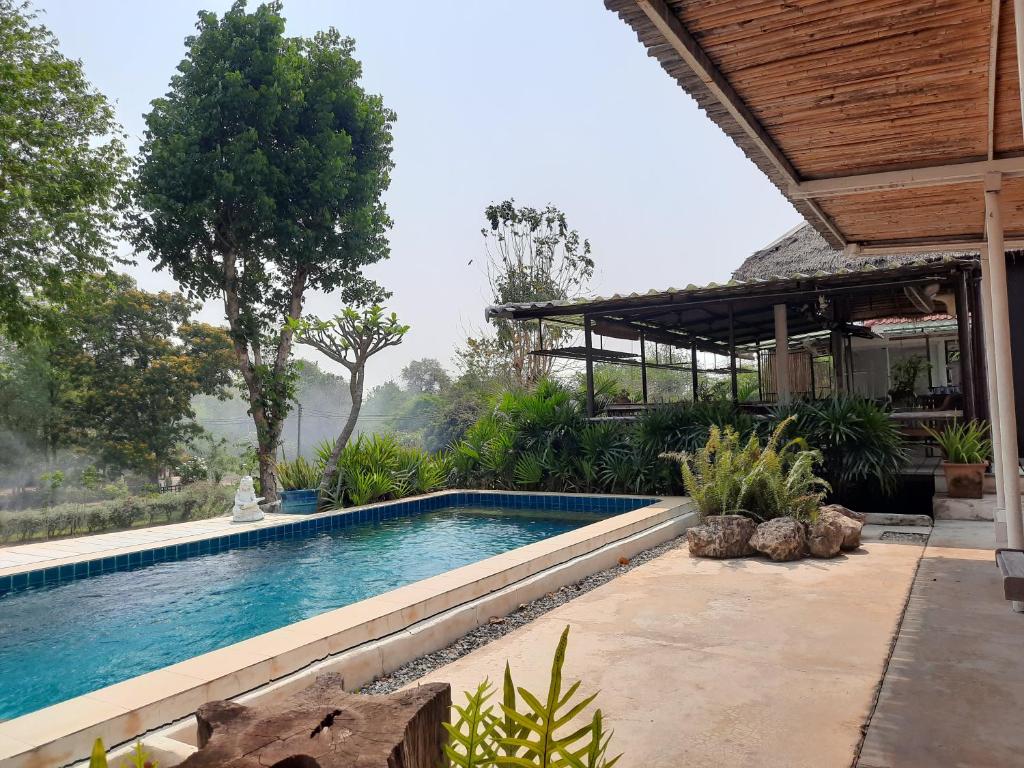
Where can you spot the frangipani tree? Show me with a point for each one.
(350, 338)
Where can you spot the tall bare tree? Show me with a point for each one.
(532, 255)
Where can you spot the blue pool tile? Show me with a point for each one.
(134, 559)
(147, 556)
(35, 578)
(5, 584)
(123, 562)
(67, 572)
(109, 564)
(19, 581)
(51, 575)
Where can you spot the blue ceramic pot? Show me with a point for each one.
(300, 502)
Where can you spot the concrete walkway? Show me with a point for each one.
(954, 692)
(45, 554)
(723, 663)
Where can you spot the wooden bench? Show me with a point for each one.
(1011, 565)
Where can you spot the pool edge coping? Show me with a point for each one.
(125, 710)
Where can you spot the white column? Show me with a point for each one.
(993, 396)
(781, 353)
(1004, 363)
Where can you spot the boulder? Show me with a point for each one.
(851, 527)
(825, 534)
(721, 536)
(781, 539)
(858, 516)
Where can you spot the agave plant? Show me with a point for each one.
(530, 736)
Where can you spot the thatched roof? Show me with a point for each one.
(803, 250)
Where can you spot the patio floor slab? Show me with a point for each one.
(954, 691)
(723, 663)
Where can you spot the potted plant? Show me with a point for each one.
(903, 376)
(300, 481)
(967, 449)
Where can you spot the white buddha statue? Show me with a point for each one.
(247, 503)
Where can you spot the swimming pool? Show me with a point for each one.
(68, 637)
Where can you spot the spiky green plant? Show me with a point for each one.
(964, 443)
(299, 474)
(731, 476)
(533, 736)
(138, 758)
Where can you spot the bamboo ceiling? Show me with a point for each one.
(826, 89)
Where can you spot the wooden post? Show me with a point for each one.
(977, 345)
(693, 370)
(734, 386)
(963, 330)
(781, 354)
(1004, 362)
(589, 349)
(814, 388)
(643, 366)
(838, 355)
(760, 386)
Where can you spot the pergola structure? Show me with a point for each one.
(889, 124)
(740, 319)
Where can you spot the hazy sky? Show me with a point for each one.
(540, 100)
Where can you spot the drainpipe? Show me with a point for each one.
(1003, 360)
(781, 354)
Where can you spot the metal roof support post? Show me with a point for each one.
(993, 397)
(643, 366)
(733, 385)
(963, 330)
(1004, 363)
(760, 386)
(693, 370)
(781, 354)
(588, 344)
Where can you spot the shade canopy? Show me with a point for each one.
(741, 312)
(877, 119)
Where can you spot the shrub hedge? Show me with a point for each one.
(195, 502)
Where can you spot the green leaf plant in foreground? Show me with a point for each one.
(138, 758)
(529, 736)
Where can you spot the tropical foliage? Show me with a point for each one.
(299, 474)
(858, 441)
(531, 731)
(377, 468)
(138, 758)
(964, 443)
(730, 475)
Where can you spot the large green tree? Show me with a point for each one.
(61, 165)
(261, 178)
(112, 372)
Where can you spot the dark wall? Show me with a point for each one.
(1015, 289)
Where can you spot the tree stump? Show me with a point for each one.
(324, 727)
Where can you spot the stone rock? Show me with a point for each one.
(851, 527)
(781, 539)
(860, 517)
(825, 534)
(721, 536)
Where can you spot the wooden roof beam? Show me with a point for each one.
(683, 43)
(929, 176)
(993, 68)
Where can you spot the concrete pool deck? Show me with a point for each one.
(723, 663)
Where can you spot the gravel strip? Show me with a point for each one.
(500, 627)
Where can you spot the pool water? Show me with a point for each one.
(64, 640)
